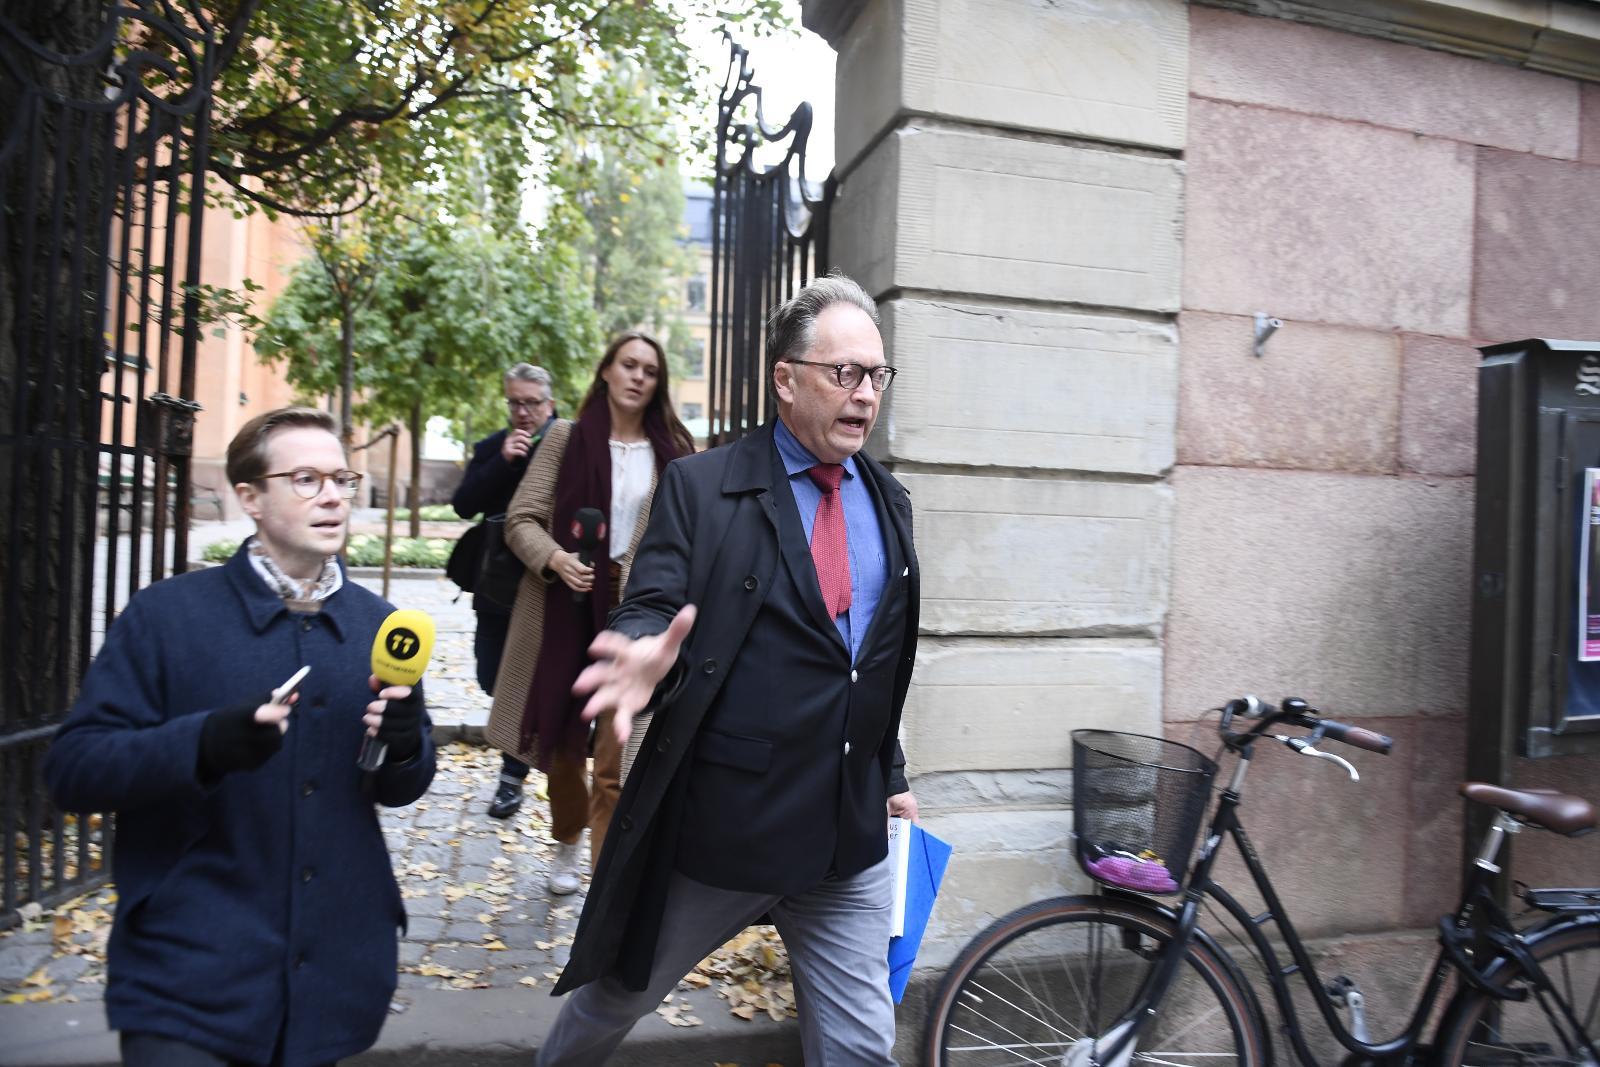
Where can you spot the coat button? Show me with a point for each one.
(709, 666)
(300, 960)
(625, 823)
(847, 748)
(319, 702)
(750, 582)
(305, 625)
(305, 875)
(664, 744)
(307, 789)
(853, 675)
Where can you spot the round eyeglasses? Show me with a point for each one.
(849, 375)
(307, 481)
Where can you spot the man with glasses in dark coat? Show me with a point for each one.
(257, 912)
(496, 468)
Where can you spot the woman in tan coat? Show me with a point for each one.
(608, 459)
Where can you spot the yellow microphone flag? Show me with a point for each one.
(400, 651)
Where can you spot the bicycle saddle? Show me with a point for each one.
(1543, 807)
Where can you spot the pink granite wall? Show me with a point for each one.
(1395, 207)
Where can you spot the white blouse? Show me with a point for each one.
(632, 463)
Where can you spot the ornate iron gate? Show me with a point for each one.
(104, 110)
(769, 236)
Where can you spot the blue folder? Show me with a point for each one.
(925, 870)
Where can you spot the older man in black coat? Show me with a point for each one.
(490, 480)
(764, 781)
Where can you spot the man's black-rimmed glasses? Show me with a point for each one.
(307, 481)
(849, 375)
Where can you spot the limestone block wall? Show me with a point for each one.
(1395, 206)
(1069, 213)
(1012, 193)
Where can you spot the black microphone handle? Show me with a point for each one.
(583, 558)
(373, 753)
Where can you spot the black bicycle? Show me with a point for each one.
(1119, 978)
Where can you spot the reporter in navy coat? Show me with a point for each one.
(257, 914)
(769, 766)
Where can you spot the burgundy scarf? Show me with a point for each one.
(551, 719)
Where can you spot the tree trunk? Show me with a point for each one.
(415, 502)
(347, 369)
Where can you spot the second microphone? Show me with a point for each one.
(589, 527)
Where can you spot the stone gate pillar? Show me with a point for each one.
(1011, 192)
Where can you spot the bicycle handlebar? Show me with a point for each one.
(1299, 713)
(1358, 736)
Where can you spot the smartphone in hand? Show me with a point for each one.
(285, 692)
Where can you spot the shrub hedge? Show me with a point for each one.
(365, 550)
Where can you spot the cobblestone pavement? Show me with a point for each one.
(474, 887)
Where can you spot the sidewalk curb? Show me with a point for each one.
(442, 1028)
(395, 572)
(503, 1026)
(480, 1028)
(467, 732)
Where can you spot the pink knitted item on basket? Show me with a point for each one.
(1126, 872)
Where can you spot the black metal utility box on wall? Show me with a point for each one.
(1538, 430)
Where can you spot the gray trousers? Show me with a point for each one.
(837, 935)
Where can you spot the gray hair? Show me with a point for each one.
(527, 372)
(792, 325)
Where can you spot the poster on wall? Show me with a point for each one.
(1589, 570)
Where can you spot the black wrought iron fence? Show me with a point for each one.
(103, 117)
(769, 236)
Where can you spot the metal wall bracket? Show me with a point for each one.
(1266, 326)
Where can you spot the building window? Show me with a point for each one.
(697, 358)
(695, 297)
(694, 411)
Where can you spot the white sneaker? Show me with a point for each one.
(564, 876)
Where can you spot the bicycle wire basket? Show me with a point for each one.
(1137, 804)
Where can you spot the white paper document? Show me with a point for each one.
(899, 858)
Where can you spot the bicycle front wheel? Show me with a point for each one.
(1535, 1031)
(1046, 984)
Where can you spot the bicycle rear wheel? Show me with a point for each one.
(1044, 985)
(1485, 1032)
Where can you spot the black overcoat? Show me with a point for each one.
(724, 535)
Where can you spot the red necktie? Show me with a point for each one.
(830, 547)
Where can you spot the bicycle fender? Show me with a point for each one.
(1500, 966)
(1213, 946)
(1200, 935)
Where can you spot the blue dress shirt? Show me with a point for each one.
(869, 565)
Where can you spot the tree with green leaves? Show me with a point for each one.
(324, 109)
(448, 308)
(320, 103)
(627, 217)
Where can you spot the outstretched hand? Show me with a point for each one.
(626, 671)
